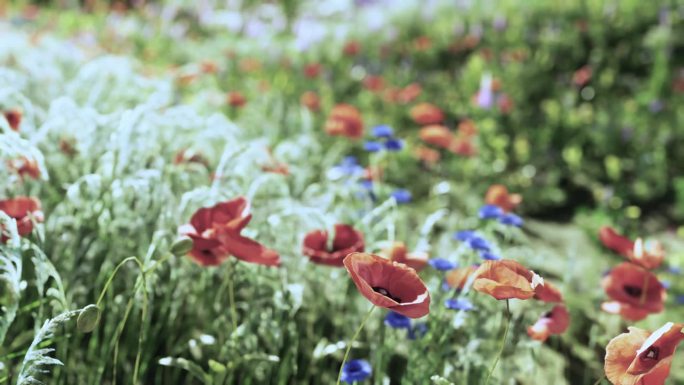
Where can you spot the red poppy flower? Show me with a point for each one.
(422, 43)
(215, 232)
(374, 83)
(427, 155)
(352, 48)
(13, 117)
(346, 240)
(504, 279)
(190, 156)
(24, 210)
(389, 284)
(399, 253)
(344, 120)
(554, 322)
(312, 70)
(649, 255)
(310, 100)
(25, 167)
(505, 103)
(642, 358)
(582, 76)
(426, 113)
(635, 292)
(547, 292)
(236, 99)
(498, 195)
(457, 278)
(436, 135)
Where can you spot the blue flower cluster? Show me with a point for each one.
(356, 370)
(495, 212)
(459, 304)
(385, 140)
(476, 243)
(400, 321)
(442, 264)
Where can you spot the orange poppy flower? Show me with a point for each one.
(25, 167)
(24, 210)
(344, 120)
(422, 43)
(310, 100)
(273, 166)
(554, 322)
(398, 253)
(426, 113)
(13, 117)
(642, 358)
(504, 279)
(374, 83)
(236, 99)
(463, 147)
(457, 278)
(498, 195)
(313, 70)
(208, 67)
(352, 48)
(467, 128)
(409, 93)
(635, 292)
(346, 240)
(427, 155)
(373, 173)
(649, 254)
(250, 65)
(215, 232)
(389, 284)
(436, 135)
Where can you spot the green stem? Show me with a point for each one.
(503, 342)
(599, 380)
(231, 295)
(351, 342)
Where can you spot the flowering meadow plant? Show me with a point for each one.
(359, 192)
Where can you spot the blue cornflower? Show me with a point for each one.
(366, 183)
(397, 321)
(490, 212)
(418, 331)
(382, 131)
(442, 264)
(680, 299)
(666, 284)
(489, 256)
(394, 144)
(371, 146)
(458, 304)
(464, 235)
(674, 270)
(511, 220)
(356, 370)
(348, 167)
(401, 195)
(476, 242)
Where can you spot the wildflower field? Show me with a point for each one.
(342, 191)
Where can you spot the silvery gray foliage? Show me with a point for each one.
(10, 274)
(37, 359)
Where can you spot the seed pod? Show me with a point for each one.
(88, 319)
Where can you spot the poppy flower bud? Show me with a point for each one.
(181, 246)
(88, 319)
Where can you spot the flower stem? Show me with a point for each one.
(351, 342)
(231, 295)
(503, 342)
(599, 380)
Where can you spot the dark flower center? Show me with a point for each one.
(386, 293)
(548, 315)
(651, 354)
(632, 291)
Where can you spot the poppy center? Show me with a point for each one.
(386, 293)
(632, 291)
(651, 354)
(548, 315)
